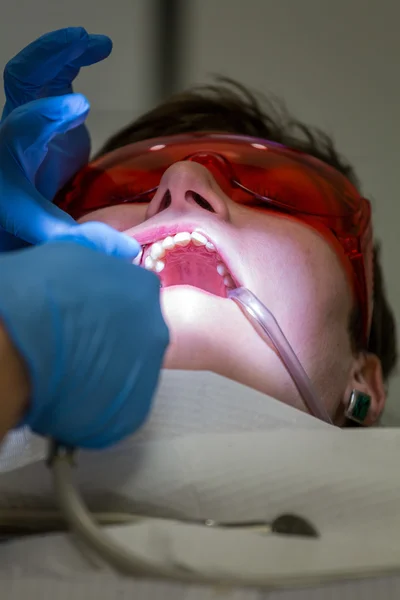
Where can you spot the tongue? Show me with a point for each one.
(193, 266)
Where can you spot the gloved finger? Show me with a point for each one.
(23, 145)
(28, 215)
(26, 132)
(102, 237)
(99, 48)
(66, 156)
(42, 60)
(54, 56)
(32, 218)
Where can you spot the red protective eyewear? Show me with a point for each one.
(254, 172)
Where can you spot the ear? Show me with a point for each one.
(366, 376)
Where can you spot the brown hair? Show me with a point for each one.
(228, 106)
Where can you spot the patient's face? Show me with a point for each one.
(287, 264)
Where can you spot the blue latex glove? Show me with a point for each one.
(90, 329)
(45, 68)
(24, 212)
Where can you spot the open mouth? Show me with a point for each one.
(188, 258)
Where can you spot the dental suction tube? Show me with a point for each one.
(267, 327)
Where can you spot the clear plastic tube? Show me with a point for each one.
(267, 327)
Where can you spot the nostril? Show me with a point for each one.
(166, 201)
(199, 200)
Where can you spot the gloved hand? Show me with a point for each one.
(45, 68)
(24, 212)
(91, 332)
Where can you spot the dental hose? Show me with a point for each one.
(267, 327)
(84, 525)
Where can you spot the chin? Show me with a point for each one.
(200, 324)
(210, 333)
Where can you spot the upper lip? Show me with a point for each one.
(158, 232)
(150, 234)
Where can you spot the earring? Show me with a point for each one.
(358, 407)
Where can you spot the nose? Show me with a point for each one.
(188, 187)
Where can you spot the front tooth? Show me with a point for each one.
(222, 269)
(198, 239)
(149, 263)
(168, 243)
(158, 267)
(210, 247)
(182, 239)
(157, 251)
(138, 258)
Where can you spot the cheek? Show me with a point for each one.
(299, 277)
(301, 280)
(121, 217)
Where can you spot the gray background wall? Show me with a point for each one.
(335, 62)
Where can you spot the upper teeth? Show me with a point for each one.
(158, 250)
(181, 239)
(168, 243)
(138, 258)
(198, 239)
